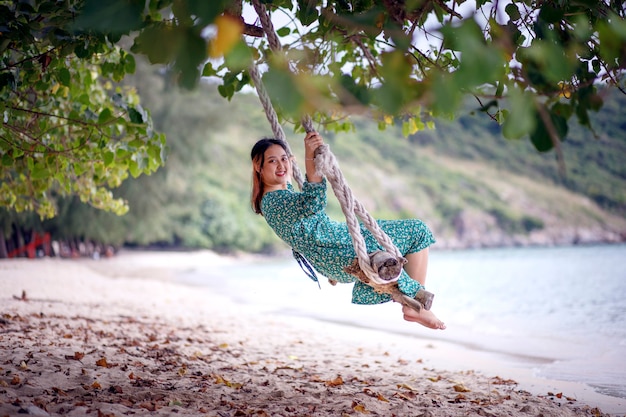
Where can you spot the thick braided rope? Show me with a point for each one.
(270, 113)
(268, 26)
(326, 164)
(264, 97)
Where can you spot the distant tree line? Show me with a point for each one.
(199, 200)
(200, 197)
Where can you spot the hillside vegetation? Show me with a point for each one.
(472, 187)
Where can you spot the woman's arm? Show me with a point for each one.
(312, 141)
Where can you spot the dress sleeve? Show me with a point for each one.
(284, 209)
(312, 199)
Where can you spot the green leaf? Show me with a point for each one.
(79, 169)
(182, 15)
(39, 172)
(7, 161)
(367, 21)
(358, 92)
(129, 64)
(6, 79)
(159, 42)
(283, 91)
(480, 63)
(307, 12)
(134, 169)
(81, 51)
(207, 11)
(192, 53)
(64, 77)
(513, 12)
(84, 99)
(226, 91)
(564, 110)
(412, 126)
(284, 31)
(520, 119)
(105, 115)
(400, 39)
(595, 64)
(541, 137)
(397, 89)
(551, 13)
(582, 28)
(499, 88)
(108, 158)
(239, 57)
(551, 60)
(154, 160)
(135, 143)
(446, 96)
(111, 16)
(586, 99)
(135, 115)
(612, 37)
(208, 70)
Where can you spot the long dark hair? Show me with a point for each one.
(258, 159)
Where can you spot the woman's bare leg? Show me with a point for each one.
(417, 265)
(416, 268)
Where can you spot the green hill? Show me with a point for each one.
(472, 186)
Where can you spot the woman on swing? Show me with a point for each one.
(299, 219)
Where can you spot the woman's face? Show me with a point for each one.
(276, 170)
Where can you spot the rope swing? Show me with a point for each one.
(381, 269)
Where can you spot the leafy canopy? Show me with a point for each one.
(67, 127)
(530, 65)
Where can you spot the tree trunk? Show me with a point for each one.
(4, 253)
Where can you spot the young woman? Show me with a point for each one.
(299, 219)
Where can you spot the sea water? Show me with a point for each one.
(565, 306)
(558, 310)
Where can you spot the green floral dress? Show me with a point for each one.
(299, 219)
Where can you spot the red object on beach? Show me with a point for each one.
(31, 247)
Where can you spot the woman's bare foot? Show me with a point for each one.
(424, 317)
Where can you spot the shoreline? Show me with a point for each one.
(514, 343)
(306, 357)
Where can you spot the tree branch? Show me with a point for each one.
(450, 11)
(366, 52)
(31, 58)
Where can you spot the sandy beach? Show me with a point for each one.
(120, 336)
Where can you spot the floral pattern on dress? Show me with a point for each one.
(300, 220)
